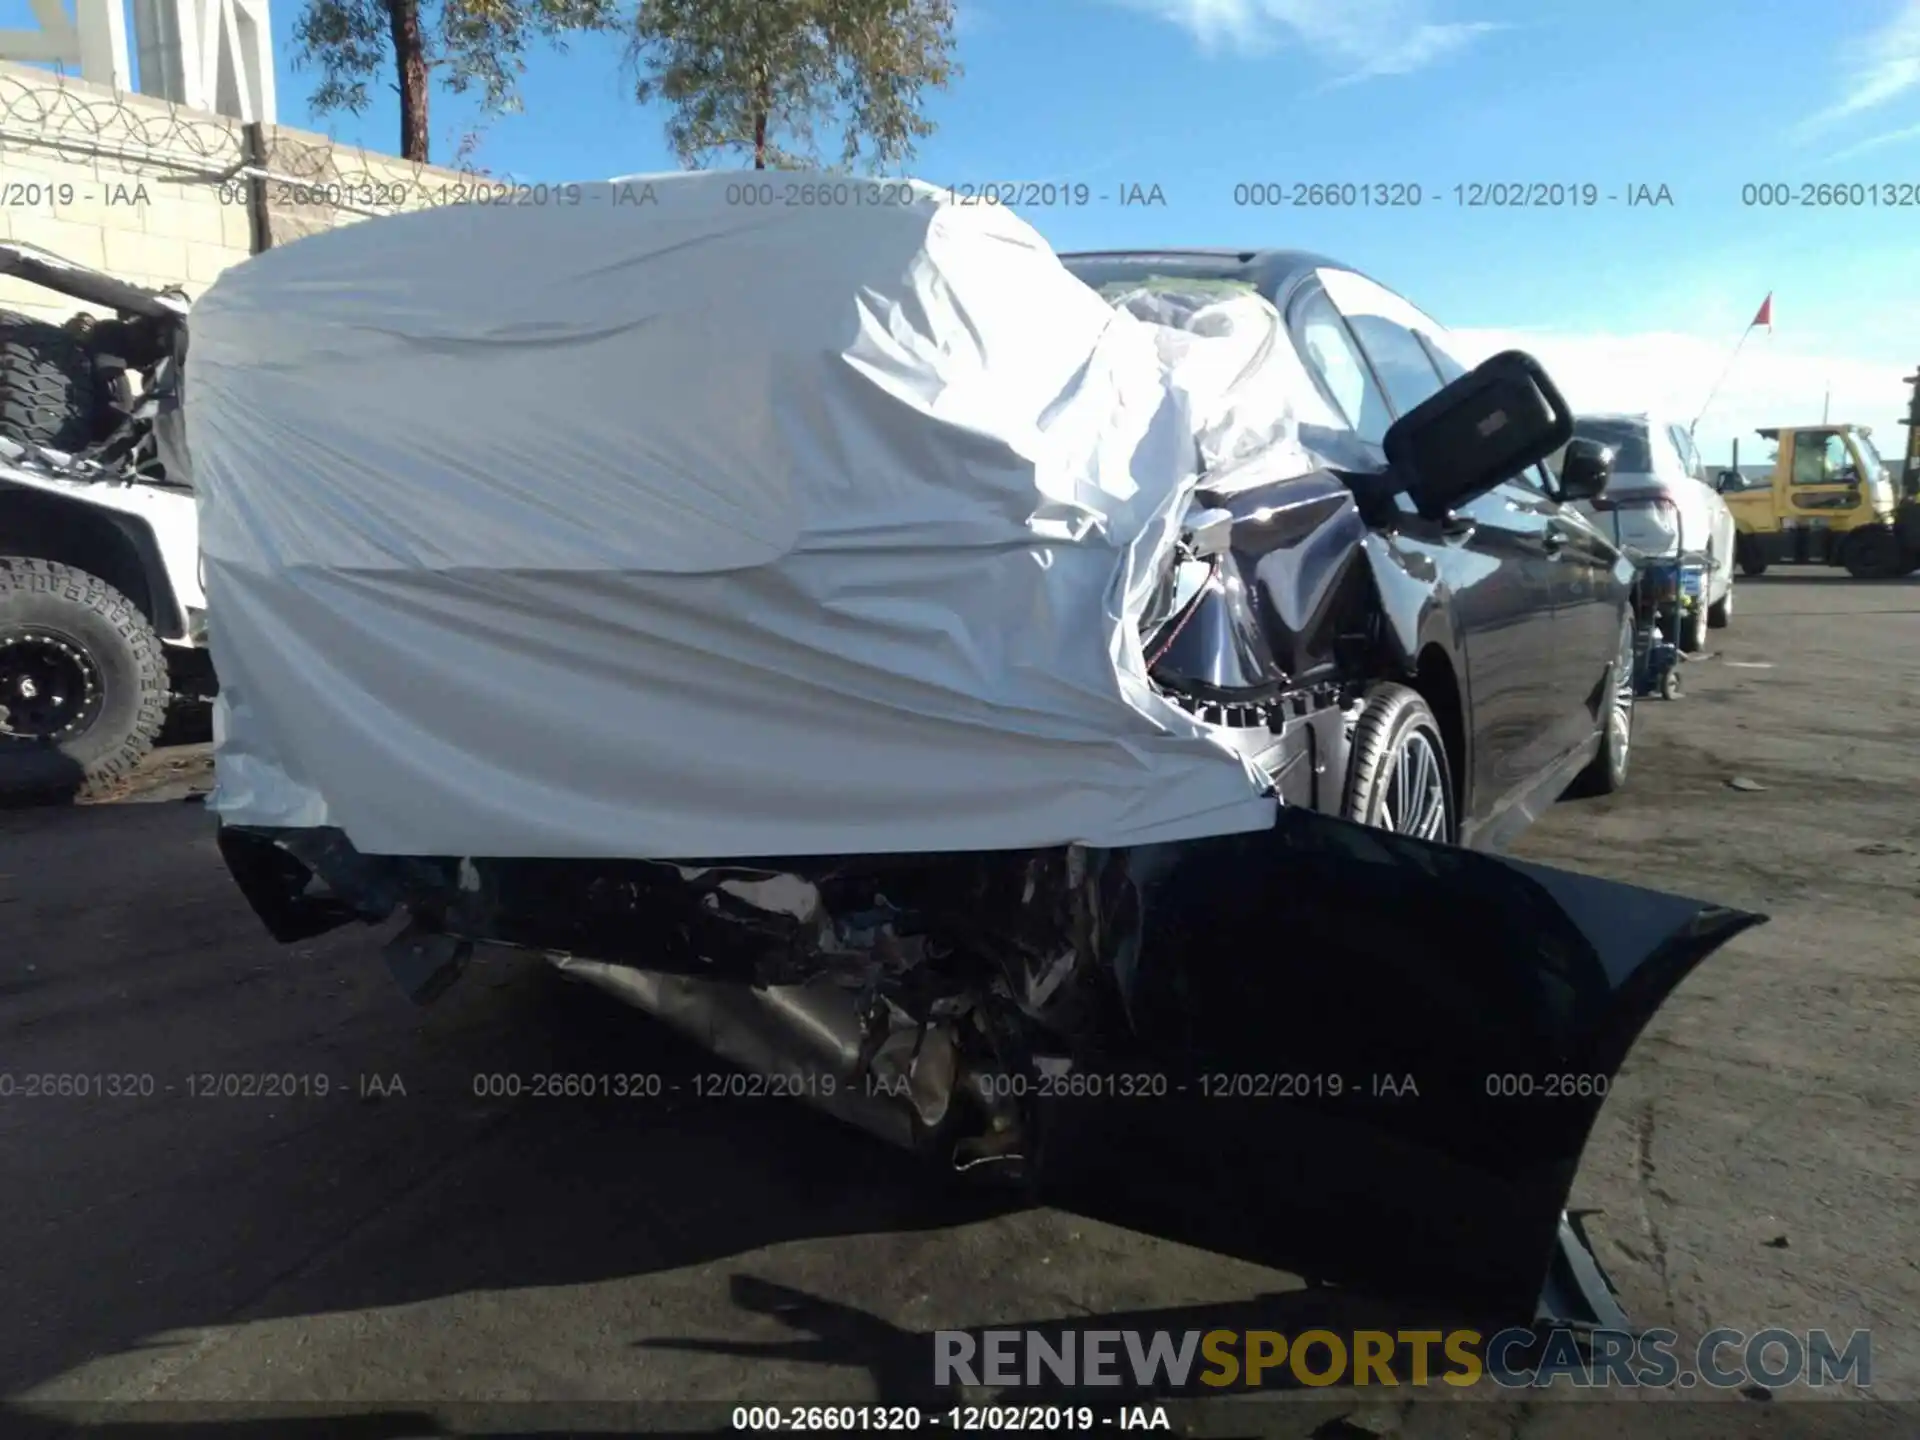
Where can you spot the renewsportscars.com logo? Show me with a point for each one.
(1165, 1360)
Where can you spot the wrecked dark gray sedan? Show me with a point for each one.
(1059, 717)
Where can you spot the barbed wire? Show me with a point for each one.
(139, 137)
(54, 114)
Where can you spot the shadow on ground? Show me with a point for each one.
(187, 1201)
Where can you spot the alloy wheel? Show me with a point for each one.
(1620, 712)
(1417, 802)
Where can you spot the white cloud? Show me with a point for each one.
(1877, 142)
(1670, 373)
(1427, 45)
(1879, 66)
(1363, 38)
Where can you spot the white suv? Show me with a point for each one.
(1656, 505)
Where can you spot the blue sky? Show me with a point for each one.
(1629, 305)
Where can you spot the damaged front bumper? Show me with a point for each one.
(1358, 1056)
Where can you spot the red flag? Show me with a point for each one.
(1765, 317)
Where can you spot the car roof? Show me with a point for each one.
(1647, 418)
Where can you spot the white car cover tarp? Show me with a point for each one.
(664, 524)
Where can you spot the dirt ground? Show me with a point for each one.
(400, 1244)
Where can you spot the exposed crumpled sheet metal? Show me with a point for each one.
(1353, 1054)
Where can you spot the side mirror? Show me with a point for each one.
(1585, 470)
(1485, 427)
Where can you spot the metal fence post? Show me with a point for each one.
(253, 151)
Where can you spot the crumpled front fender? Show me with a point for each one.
(1382, 1057)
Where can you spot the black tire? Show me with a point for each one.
(1399, 764)
(1747, 551)
(83, 680)
(1607, 773)
(1693, 631)
(1874, 555)
(1720, 613)
(48, 392)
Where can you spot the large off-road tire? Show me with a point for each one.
(1874, 554)
(1753, 560)
(1397, 775)
(48, 391)
(1608, 771)
(83, 681)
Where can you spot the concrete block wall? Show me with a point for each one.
(151, 192)
(326, 184)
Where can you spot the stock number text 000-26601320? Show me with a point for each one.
(956, 1419)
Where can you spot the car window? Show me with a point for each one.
(1667, 456)
(1689, 453)
(1405, 368)
(1450, 369)
(1337, 364)
(1632, 450)
(1397, 337)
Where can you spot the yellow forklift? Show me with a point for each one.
(1830, 500)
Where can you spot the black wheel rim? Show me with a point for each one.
(50, 688)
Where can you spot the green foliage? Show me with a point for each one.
(763, 76)
(463, 44)
(484, 42)
(348, 40)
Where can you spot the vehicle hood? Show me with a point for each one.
(824, 529)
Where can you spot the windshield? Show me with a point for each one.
(1628, 441)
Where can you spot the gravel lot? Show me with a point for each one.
(1757, 1164)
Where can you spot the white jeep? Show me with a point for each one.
(102, 613)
